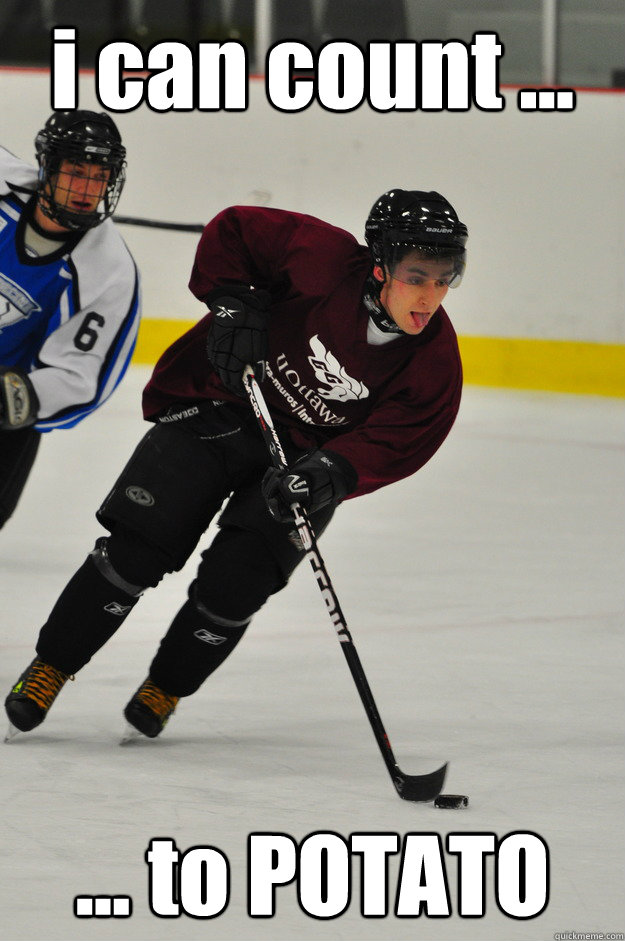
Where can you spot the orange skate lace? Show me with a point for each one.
(42, 683)
(159, 702)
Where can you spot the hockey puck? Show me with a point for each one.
(451, 801)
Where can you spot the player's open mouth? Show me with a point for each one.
(420, 320)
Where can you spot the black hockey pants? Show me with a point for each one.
(162, 503)
(18, 450)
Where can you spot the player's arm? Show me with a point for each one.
(15, 173)
(272, 249)
(269, 249)
(243, 245)
(238, 259)
(237, 336)
(85, 355)
(18, 400)
(398, 437)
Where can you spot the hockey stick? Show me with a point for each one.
(157, 224)
(412, 787)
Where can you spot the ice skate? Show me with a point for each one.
(148, 711)
(30, 699)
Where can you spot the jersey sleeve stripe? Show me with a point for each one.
(64, 307)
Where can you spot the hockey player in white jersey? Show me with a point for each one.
(69, 288)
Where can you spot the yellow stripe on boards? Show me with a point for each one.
(155, 336)
(548, 365)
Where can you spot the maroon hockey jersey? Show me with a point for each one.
(385, 408)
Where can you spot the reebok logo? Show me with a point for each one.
(118, 609)
(225, 312)
(208, 638)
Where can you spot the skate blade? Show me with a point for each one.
(12, 733)
(130, 735)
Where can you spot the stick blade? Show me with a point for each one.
(420, 787)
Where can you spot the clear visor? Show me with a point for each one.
(417, 266)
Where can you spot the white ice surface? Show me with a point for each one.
(485, 596)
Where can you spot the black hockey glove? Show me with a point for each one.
(238, 334)
(315, 480)
(18, 400)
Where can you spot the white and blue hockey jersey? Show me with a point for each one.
(68, 318)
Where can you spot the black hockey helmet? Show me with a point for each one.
(80, 137)
(402, 220)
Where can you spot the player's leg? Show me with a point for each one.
(251, 558)
(156, 512)
(18, 450)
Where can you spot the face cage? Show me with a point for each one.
(49, 163)
(391, 255)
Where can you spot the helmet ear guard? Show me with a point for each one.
(402, 221)
(80, 137)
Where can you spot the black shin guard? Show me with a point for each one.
(193, 647)
(93, 605)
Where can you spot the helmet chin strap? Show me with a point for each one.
(58, 236)
(372, 302)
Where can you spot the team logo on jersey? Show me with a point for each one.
(329, 371)
(15, 303)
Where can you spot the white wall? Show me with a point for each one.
(543, 194)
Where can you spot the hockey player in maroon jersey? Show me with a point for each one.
(360, 368)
